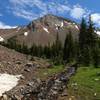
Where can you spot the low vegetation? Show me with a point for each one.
(47, 72)
(85, 85)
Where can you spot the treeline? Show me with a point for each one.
(85, 50)
(57, 52)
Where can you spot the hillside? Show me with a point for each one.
(42, 31)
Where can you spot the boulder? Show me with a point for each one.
(29, 64)
(27, 70)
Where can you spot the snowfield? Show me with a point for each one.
(1, 39)
(7, 82)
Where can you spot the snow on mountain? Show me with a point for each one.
(57, 28)
(19, 28)
(76, 27)
(25, 33)
(62, 24)
(45, 29)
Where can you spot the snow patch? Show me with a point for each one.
(74, 23)
(59, 25)
(56, 26)
(68, 23)
(62, 24)
(25, 33)
(18, 28)
(76, 27)
(45, 29)
(7, 82)
(1, 39)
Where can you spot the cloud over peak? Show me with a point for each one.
(31, 9)
(78, 12)
(4, 26)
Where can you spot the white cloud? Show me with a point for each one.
(78, 12)
(24, 14)
(96, 18)
(4, 26)
(32, 9)
(27, 8)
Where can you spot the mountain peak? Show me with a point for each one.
(43, 30)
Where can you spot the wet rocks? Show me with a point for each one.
(18, 62)
(64, 94)
(35, 89)
(26, 70)
(29, 64)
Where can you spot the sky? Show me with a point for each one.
(20, 12)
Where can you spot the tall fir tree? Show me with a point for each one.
(93, 43)
(82, 34)
(68, 51)
(91, 39)
(84, 50)
(56, 50)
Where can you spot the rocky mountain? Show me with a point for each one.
(42, 31)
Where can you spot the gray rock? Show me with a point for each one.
(29, 64)
(27, 70)
(64, 94)
(18, 62)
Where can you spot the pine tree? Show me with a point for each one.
(32, 50)
(91, 40)
(84, 44)
(96, 56)
(93, 43)
(87, 43)
(68, 51)
(25, 49)
(56, 51)
(82, 34)
(58, 46)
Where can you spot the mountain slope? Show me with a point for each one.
(42, 31)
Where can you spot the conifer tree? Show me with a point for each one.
(56, 50)
(93, 43)
(25, 49)
(82, 34)
(84, 44)
(91, 40)
(68, 51)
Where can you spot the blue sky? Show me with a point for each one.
(21, 12)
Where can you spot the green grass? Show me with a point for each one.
(46, 72)
(87, 84)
